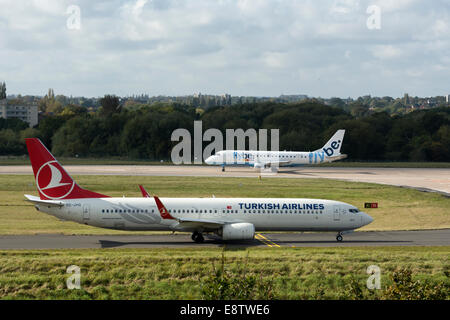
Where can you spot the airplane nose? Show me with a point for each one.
(366, 219)
(209, 160)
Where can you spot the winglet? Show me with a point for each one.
(144, 192)
(162, 209)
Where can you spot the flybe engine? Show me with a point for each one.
(238, 231)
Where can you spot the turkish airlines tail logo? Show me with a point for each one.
(56, 179)
(53, 182)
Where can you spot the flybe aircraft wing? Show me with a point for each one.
(50, 203)
(278, 163)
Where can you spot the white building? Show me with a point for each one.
(27, 113)
(447, 98)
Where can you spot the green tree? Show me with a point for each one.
(110, 105)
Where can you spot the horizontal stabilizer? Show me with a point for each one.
(339, 157)
(50, 203)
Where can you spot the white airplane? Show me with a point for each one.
(330, 152)
(230, 219)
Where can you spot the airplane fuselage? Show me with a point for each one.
(330, 152)
(265, 214)
(282, 158)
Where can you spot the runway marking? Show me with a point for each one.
(266, 241)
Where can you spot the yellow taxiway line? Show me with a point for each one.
(266, 241)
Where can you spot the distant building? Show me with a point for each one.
(447, 99)
(27, 113)
(406, 99)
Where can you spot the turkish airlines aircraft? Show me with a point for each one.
(230, 219)
(330, 152)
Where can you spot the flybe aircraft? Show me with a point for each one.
(229, 219)
(330, 152)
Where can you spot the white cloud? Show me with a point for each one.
(386, 52)
(244, 47)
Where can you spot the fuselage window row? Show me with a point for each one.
(215, 211)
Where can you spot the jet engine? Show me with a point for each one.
(238, 231)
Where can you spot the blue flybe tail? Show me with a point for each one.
(333, 146)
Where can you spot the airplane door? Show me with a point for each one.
(86, 212)
(336, 213)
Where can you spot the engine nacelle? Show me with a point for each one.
(238, 231)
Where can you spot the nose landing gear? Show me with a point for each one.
(197, 237)
(339, 237)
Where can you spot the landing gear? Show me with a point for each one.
(197, 237)
(339, 237)
(223, 168)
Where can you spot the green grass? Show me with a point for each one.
(296, 273)
(399, 208)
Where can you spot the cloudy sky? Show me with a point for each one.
(321, 48)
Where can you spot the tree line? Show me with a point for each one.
(145, 132)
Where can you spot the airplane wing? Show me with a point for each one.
(192, 223)
(37, 200)
(274, 163)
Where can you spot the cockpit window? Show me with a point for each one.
(353, 210)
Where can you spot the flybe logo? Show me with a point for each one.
(284, 206)
(334, 146)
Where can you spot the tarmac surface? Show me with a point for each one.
(273, 240)
(423, 179)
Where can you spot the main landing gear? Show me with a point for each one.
(223, 168)
(197, 237)
(339, 237)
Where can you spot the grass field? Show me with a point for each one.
(399, 208)
(294, 273)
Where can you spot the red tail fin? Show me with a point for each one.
(52, 181)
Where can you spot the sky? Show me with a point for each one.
(322, 48)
